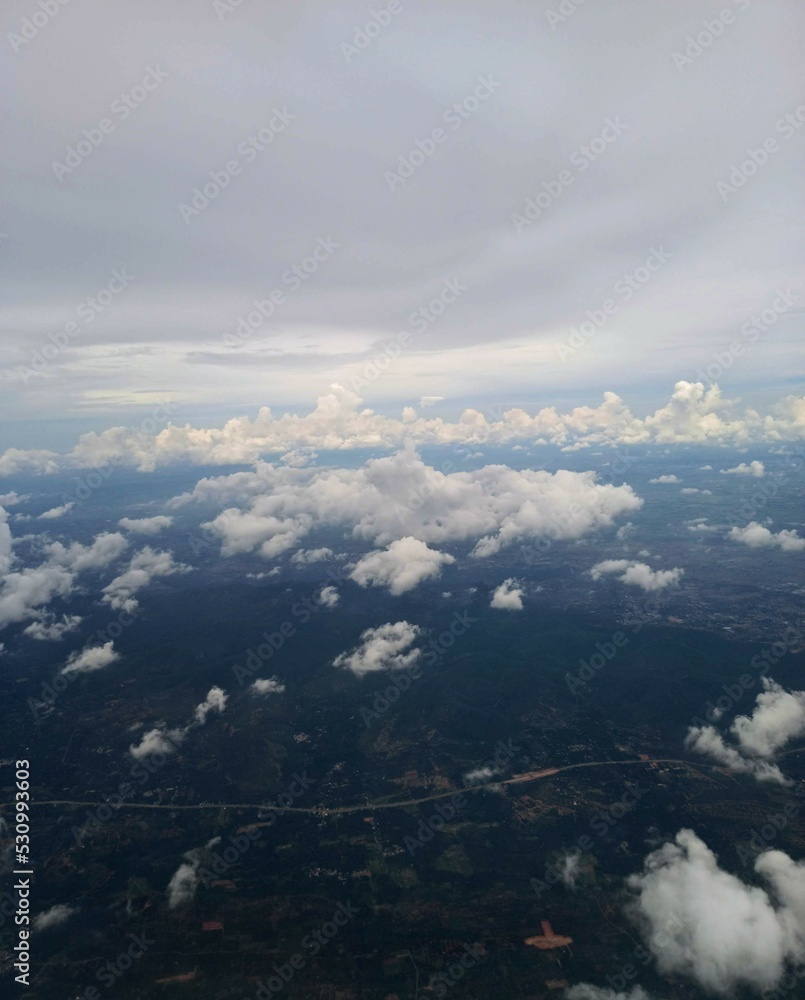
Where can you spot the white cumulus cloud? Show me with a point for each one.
(146, 525)
(387, 647)
(757, 536)
(705, 923)
(93, 658)
(638, 574)
(508, 596)
(401, 566)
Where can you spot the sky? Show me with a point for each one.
(459, 188)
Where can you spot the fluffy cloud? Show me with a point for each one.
(144, 566)
(158, 740)
(695, 414)
(401, 566)
(426, 401)
(480, 776)
(584, 991)
(756, 469)
(214, 702)
(77, 558)
(778, 718)
(756, 536)
(400, 496)
(666, 479)
(267, 686)
(54, 512)
(54, 917)
(328, 597)
(50, 630)
(700, 921)
(183, 883)
(93, 658)
(146, 525)
(304, 557)
(22, 594)
(638, 574)
(9, 499)
(508, 596)
(384, 648)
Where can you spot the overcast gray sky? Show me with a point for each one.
(532, 92)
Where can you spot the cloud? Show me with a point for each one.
(508, 596)
(702, 922)
(778, 718)
(666, 479)
(695, 414)
(105, 549)
(147, 564)
(399, 496)
(22, 594)
(158, 740)
(54, 512)
(756, 536)
(623, 532)
(426, 401)
(54, 917)
(383, 648)
(10, 499)
(756, 469)
(146, 525)
(90, 659)
(214, 702)
(267, 686)
(50, 630)
(584, 991)
(328, 597)
(638, 574)
(183, 883)
(403, 565)
(304, 557)
(689, 490)
(480, 776)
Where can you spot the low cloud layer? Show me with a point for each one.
(401, 497)
(695, 414)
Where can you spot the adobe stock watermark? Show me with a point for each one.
(87, 311)
(222, 861)
(581, 160)
(293, 279)
(442, 982)
(247, 150)
(625, 288)
(121, 108)
(312, 943)
(95, 478)
(401, 681)
(602, 823)
(566, 9)
(787, 126)
(420, 320)
(712, 28)
(752, 331)
(111, 971)
(363, 37)
(446, 812)
(34, 23)
(454, 116)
